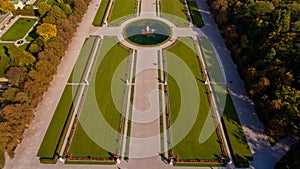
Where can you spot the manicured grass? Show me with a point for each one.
(18, 30)
(83, 60)
(104, 83)
(174, 11)
(24, 46)
(190, 147)
(57, 124)
(84, 146)
(239, 146)
(195, 13)
(174, 98)
(122, 9)
(211, 61)
(91, 162)
(99, 18)
(4, 60)
(100, 118)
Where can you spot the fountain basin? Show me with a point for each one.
(147, 32)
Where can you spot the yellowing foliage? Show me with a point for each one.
(6, 6)
(46, 31)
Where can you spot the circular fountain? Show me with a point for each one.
(147, 32)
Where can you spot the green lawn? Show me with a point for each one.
(195, 13)
(24, 46)
(83, 60)
(122, 9)
(100, 118)
(18, 30)
(209, 147)
(237, 139)
(52, 137)
(84, 146)
(174, 11)
(99, 18)
(211, 61)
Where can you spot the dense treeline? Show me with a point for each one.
(264, 39)
(31, 71)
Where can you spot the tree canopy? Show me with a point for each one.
(20, 57)
(6, 6)
(263, 37)
(46, 31)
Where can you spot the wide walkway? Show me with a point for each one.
(145, 128)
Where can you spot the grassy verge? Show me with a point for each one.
(100, 119)
(211, 60)
(84, 147)
(209, 148)
(91, 162)
(83, 60)
(195, 13)
(99, 18)
(238, 144)
(18, 30)
(174, 11)
(48, 148)
(122, 9)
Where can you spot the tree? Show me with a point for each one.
(262, 7)
(46, 31)
(37, 45)
(43, 8)
(20, 57)
(6, 6)
(21, 97)
(80, 6)
(57, 13)
(65, 28)
(17, 75)
(9, 94)
(66, 8)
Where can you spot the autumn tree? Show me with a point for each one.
(17, 75)
(43, 8)
(54, 14)
(46, 31)
(6, 6)
(37, 45)
(20, 57)
(9, 95)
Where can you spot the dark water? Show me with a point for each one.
(133, 32)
